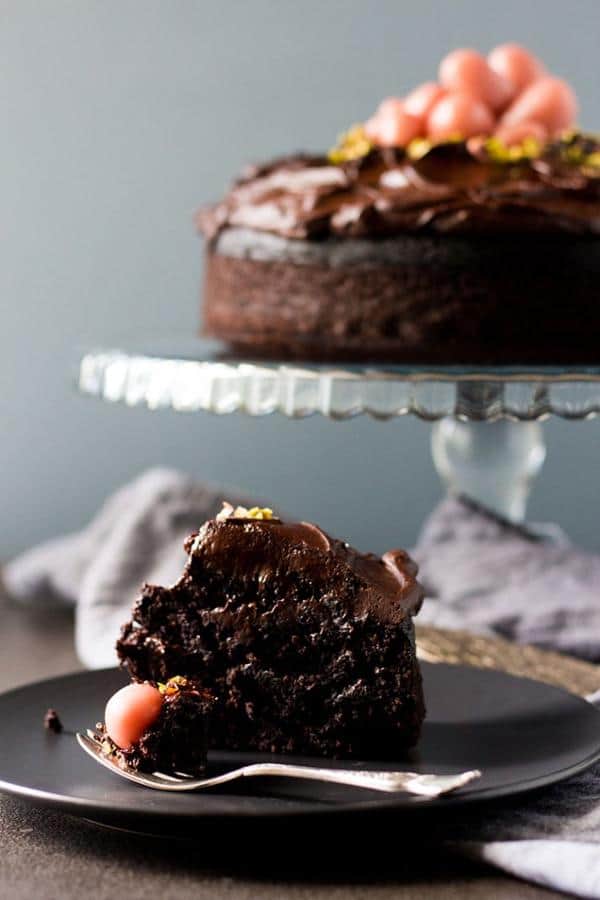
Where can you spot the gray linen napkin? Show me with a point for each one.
(486, 575)
(481, 573)
(137, 536)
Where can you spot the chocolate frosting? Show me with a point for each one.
(455, 187)
(257, 550)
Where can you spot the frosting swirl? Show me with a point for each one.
(261, 550)
(454, 187)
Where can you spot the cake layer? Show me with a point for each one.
(417, 298)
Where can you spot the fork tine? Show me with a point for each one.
(164, 777)
(93, 748)
(156, 780)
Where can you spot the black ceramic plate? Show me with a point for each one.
(522, 734)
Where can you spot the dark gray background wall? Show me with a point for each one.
(117, 119)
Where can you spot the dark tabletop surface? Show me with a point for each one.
(48, 856)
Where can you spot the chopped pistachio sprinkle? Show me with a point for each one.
(352, 144)
(418, 148)
(573, 147)
(260, 512)
(173, 685)
(529, 148)
(241, 512)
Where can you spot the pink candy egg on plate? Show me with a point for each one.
(516, 64)
(466, 71)
(130, 712)
(516, 134)
(549, 101)
(421, 101)
(459, 114)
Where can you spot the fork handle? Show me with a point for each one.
(376, 781)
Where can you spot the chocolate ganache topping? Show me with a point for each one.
(257, 550)
(457, 187)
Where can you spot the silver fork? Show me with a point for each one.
(390, 782)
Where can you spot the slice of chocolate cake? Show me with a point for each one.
(158, 727)
(307, 644)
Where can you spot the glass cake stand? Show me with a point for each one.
(487, 441)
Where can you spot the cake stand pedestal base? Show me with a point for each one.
(493, 463)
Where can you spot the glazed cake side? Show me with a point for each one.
(448, 300)
(307, 645)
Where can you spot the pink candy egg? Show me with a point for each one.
(516, 134)
(421, 101)
(549, 101)
(389, 106)
(392, 126)
(372, 128)
(516, 64)
(130, 712)
(386, 109)
(459, 114)
(466, 71)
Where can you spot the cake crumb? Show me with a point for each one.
(52, 721)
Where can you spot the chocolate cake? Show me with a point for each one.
(454, 246)
(306, 644)
(165, 730)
